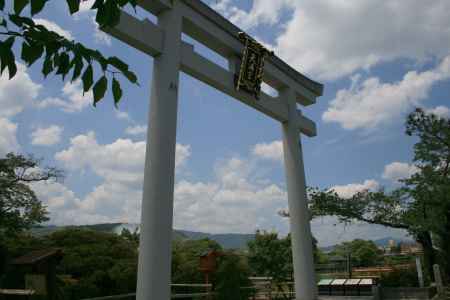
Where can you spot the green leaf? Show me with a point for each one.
(63, 67)
(9, 42)
(47, 67)
(118, 64)
(2, 4)
(117, 91)
(100, 89)
(97, 4)
(7, 57)
(37, 6)
(30, 53)
(74, 6)
(87, 78)
(130, 76)
(19, 5)
(78, 67)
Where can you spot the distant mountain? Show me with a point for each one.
(227, 240)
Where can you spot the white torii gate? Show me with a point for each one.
(171, 55)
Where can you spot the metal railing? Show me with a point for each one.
(130, 296)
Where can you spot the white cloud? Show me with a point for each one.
(18, 93)
(120, 167)
(271, 151)
(54, 27)
(371, 103)
(262, 12)
(46, 136)
(86, 5)
(439, 111)
(122, 115)
(136, 130)
(15, 95)
(347, 191)
(8, 140)
(398, 170)
(101, 37)
(329, 39)
(74, 101)
(232, 202)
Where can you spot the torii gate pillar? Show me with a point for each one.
(154, 270)
(304, 273)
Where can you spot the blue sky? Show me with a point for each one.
(377, 63)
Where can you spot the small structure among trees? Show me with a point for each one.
(39, 269)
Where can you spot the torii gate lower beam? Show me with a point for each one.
(171, 55)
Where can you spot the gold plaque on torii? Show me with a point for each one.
(251, 71)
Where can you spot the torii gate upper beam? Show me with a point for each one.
(148, 38)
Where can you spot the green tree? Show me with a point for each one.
(363, 253)
(60, 55)
(232, 278)
(186, 259)
(19, 207)
(271, 256)
(421, 206)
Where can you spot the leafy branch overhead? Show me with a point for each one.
(60, 56)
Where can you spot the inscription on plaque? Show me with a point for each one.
(251, 71)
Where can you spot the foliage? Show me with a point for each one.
(232, 278)
(421, 206)
(94, 263)
(19, 207)
(185, 259)
(400, 278)
(61, 56)
(270, 256)
(363, 253)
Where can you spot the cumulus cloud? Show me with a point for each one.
(329, 39)
(440, 111)
(54, 27)
(119, 165)
(370, 103)
(234, 200)
(8, 140)
(17, 93)
(101, 37)
(123, 115)
(46, 136)
(398, 170)
(72, 99)
(262, 12)
(271, 151)
(347, 191)
(136, 130)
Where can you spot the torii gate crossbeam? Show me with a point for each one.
(171, 55)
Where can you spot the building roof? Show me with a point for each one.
(37, 256)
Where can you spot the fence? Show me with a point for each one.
(177, 295)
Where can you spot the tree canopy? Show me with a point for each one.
(19, 207)
(61, 56)
(363, 253)
(421, 205)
